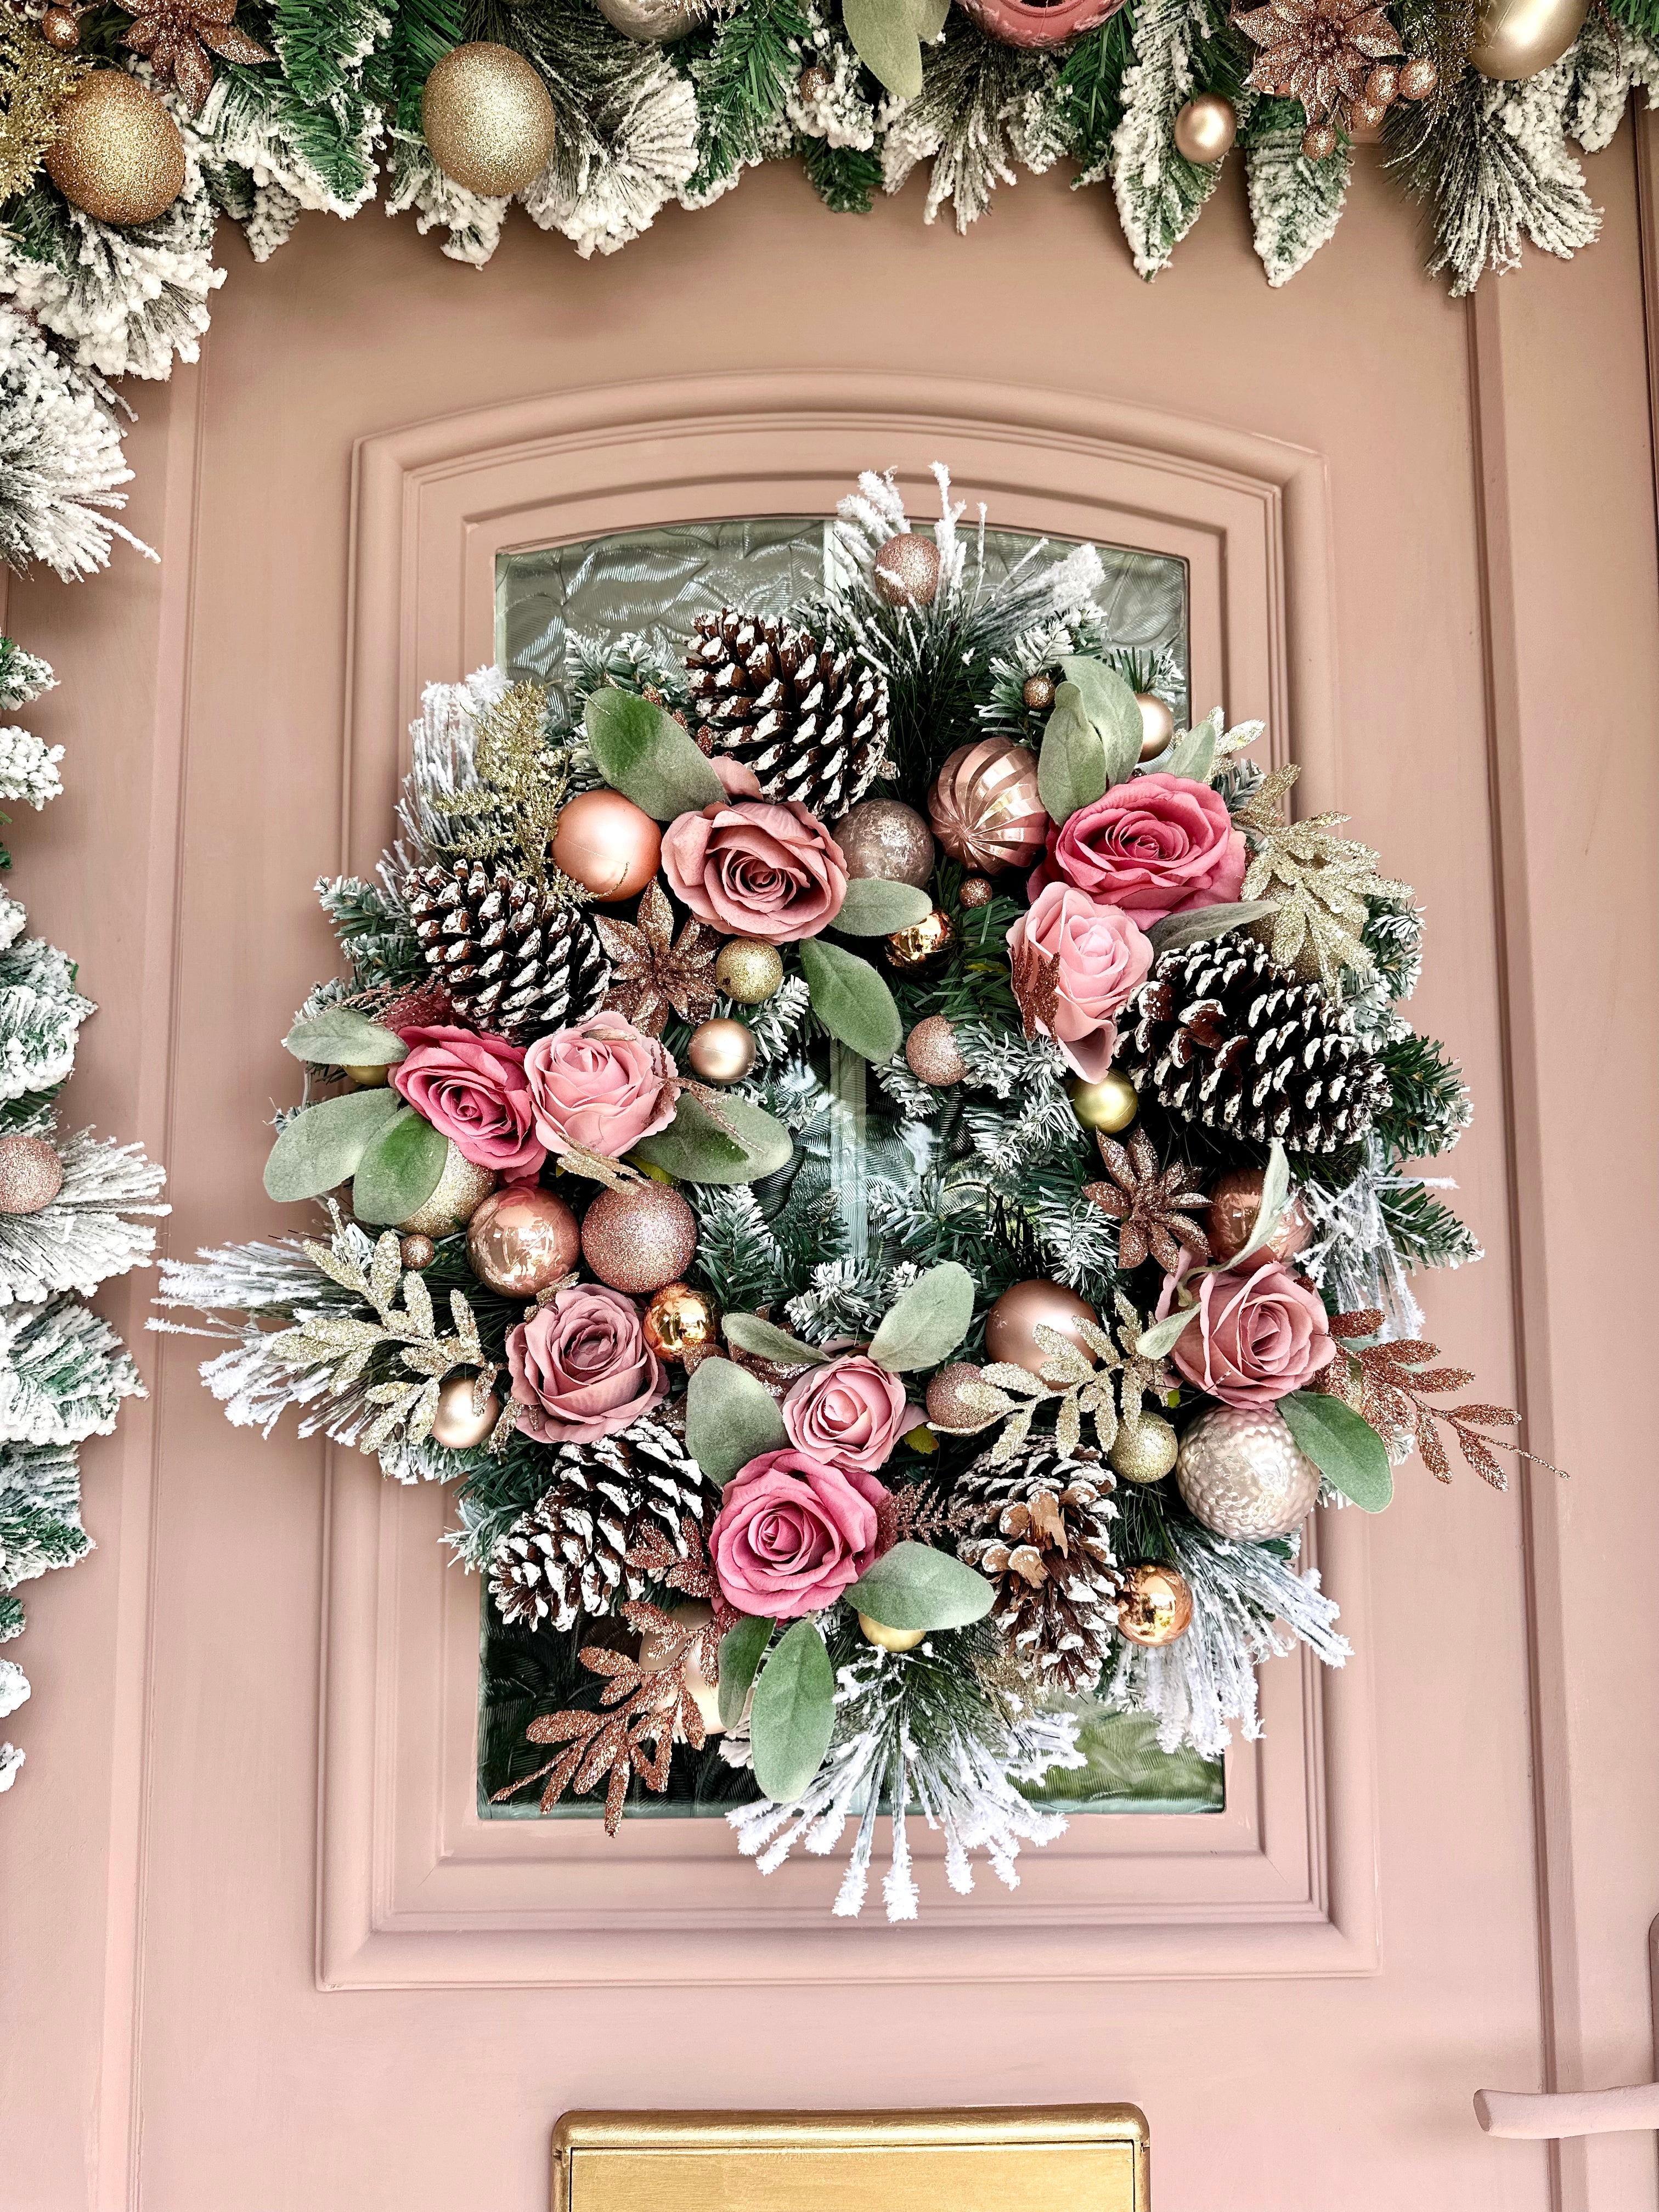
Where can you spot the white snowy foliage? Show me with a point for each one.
(14, 1691)
(40, 1015)
(1295, 203)
(472, 221)
(10, 1757)
(1609, 62)
(63, 1373)
(23, 676)
(615, 187)
(60, 461)
(1159, 194)
(1510, 177)
(39, 1512)
(236, 132)
(83, 1237)
(28, 769)
(841, 115)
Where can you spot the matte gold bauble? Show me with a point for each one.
(1239, 1473)
(1157, 724)
(906, 573)
(1318, 142)
(946, 1408)
(1011, 1324)
(368, 1076)
(1038, 692)
(1418, 78)
(722, 1050)
(1154, 1605)
(1204, 129)
(522, 1240)
(1144, 1453)
(417, 1253)
(117, 155)
(651, 22)
(639, 1238)
(749, 971)
(975, 892)
(679, 1319)
(986, 809)
(884, 837)
(1518, 38)
(1235, 1201)
(60, 30)
(705, 1695)
(460, 1190)
(487, 119)
(890, 1640)
(923, 944)
(932, 1053)
(607, 844)
(31, 1175)
(1108, 1105)
(455, 1426)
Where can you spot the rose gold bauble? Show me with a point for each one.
(1240, 1474)
(946, 1408)
(1518, 38)
(1038, 691)
(117, 155)
(1031, 23)
(487, 119)
(721, 1051)
(417, 1253)
(690, 1612)
(679, 1319)
(1382, 85)
(460, 1190)
(1235, 1201)
(890, 1640)
(932, 1052)
(886, 838)
(31, 1175)
(985, 807)
(1418, 78)
(975, 892)
(923, 944)
(639, 1238)
(522, 1239)
(1318, 142)
(60, 30)
(906, 573)
(1011, 1324)
(1154, 1605)
(1157, 724)
(651, 22)
(455, 1426)
(607, 844)
(1204, 129)
(1365, 122)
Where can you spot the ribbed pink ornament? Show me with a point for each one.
(1016, 23)
(985, 808)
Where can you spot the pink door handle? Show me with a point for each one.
(1573, 2112)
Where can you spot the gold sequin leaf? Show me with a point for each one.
(510, 808)
(1398, 1379)
(1076, 1385)
(35, 83)
(650, 972)
(1317, 884)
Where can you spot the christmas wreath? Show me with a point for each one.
(861, 1471)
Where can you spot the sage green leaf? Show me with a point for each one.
(322, 1146)
(851, 1000)
(883, 37)
(1275, 1196)
(793, 1716)
(642, 752)
(742, 1650)
(1192, 752)
(873, 907)
(1111, 706)
(767, 1341)
(1158, 1340)
(338, 1037)
(1345, 1448)
(1176, 931)
(400, 1170)
(929, 17)
(693, 1148)
(925, 1323)
(914, 1586)
(1071, 765)
(730, 1418)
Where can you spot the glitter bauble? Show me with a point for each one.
(886, 838)
(116, 155)
(814, 84)
(31, 1175)
(749, 971)
(1154, 1604)
(1108, 1105)
(1382, 85)
(523, 1239)
(639, 1238)
(1157, 724)
(1318, 142)
(1418, 78)
(1517, 37)
(721, 1051)
(1239, 1472)
(705, 1695)
(369, 1076)
(906, 573)
(974, 891)
(946, 1408)
(923, 944)
(932, 1052)
(607, 844)
(455, 1425)
(651, 22)
(1204, 129)
(1144, 1453)
(1365, 122)
(986, 809)
(417, 1253)
(1235, 1201)
(488, 119)
(890, 1640)
(1011, 1324)
(1038, 692)
(458, 1193)
(60, 30)
(679, 1319)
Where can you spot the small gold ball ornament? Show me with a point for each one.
(1382, 85)
(1011, 1324)
(1235, 1201)
(692, 1612)
(1108, 1105)
(1418, 78)
(1517, 37)
(722, 1050)
(1239, 1473)
(456, 1425)
(1318, 142)
(1154, 1605)
(31, 1175)
(417, 1253)
(923, 944)
(117, 155)
(906, 573)
(986, 809)
(640, 1237)
(369, 1077)
(487, 119)
(749, 971)
(946, 1408)
(1204, 129)
(460, 1190)
(606, 844)
(1157, 724)
(890, 1640)
(932, 1053)
(813, 84)
(523, 1239)
(975, 892)
(679, 1319)
(886, 838)
(1038, 692)
(60, 30)
(1144, 1453)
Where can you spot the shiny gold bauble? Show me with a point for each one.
(417, 1253)
(1235, 1201)
(369, 1076)
(1154, 1605)
(1204, 129)
(1144, 1453)
(117, 155)
(60, 30)
(460, 1190)
(639, 1238)
(945, 1407)
(705, 1695)
(1108, 1105)
(974, 891)
(1518, 38)
(651, 22)
(1418, 78)
(31, 1175)
(884, 837)
(1011, 1324)
(522, 1240)
(679, 1319)
(890, 1640)
(1157, 724)
(906, 573)
(1318, 142)
(933, 1054)
(749, 971)
(1038, 692)
(986, 809)
(923, 944)
(721, 1051)
(487, 119)
(607, 844)
(455, 1425)
(1239, 1473)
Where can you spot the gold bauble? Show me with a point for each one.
(455, 1426)
(722, 1050)
(60, 30)
(31, 1175)
(1318, 142)
(417, 1252)
(651, 22)
(679, 1319)
(1108, 1105)
(487, 120)
(369, 1076)
(1235, 1201)
(1011, 1324)
(1205, 130)
(1154, 1605)
(923, 943)
(117, 155)
(460, 1190)
(906, 573)
(890, 1640)
(1418, 78)
(639, 1238)
(975, 892)
(1239, 1473)
(523, 1239)
(1038, 692)
(1144, 1453)
(607, 844)
(705, 1695)
(947, 1409)
(1157, 724)
(814, 84)
(932, 1053)
(986, 809)
(886, 838)
(1518, 38)
(749, 971)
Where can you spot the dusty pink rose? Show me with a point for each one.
(472, 1088)
(737, 780)
(756, 869)
(581, 1367)
(1156, 845)
(599, 1084)
(1258, 1336)
(849, 1412)
(793, 1532)
(1101, 961)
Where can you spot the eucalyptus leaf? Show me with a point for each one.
(1071, 765)
(1275, 1196)
(765, 1341)
(1159, 1340)
(929, 17)
(321, 1146)
(1111, 706)
(914, 1586)
(730, 1418)
(645, 754)
(340, 1038)
(1192, 752)
(693, 1148)
(883, 37)
(1201, 923)
(742, 1650)
(400, 1170)
(793, 1716)
(874, 906)
(925, 1323)
(1345, 1448)
(851, 1000)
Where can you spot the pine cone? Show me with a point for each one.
(810, 720)
(1224, 1037)
(1043, 1538)
(568, 1554)
(516, 959)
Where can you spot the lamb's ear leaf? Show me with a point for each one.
(925, 1323)
(883, 33)
(742, 1650)
(764, 1339)
(1071, 765)
(914, 1586)
(399, 1171)
(1113, 708)
(693, 1148)
(851, 1000)
(793, 1716)
(1192, 752)
(1177, 931)
(874, 906)
(730, 1418)
(340, 1038)
(644, 753)
(1345, 1448)
(321, 1147)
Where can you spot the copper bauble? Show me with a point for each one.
(1157, 724)
(923, 944)
(814, 84)
(639, 1238)
(691, 1613)
(721, 1051)
(1038, 692)
(1382, 85)
(1365, 120)
(1235, 1201)
(679, 1319)
(1154, 1605)
(488, 119)
(522, 1240)
(651, 22)
(60, 30)
(460, 1190)
(906, 573)
(932, 1052)
(456, 1425)
(1518, 38)
(1418, 78)
(117, 155)
(749, 971)
(1011, 1324)
(369, 1075)
(1241, 1474)
(884, 837)
(417, 1252)
(890, 1640)
(1144, 1453)
(1108, 1105)
(1204, 129)
(1318, 142)
(607, 844)
(975, 892)
(985, 807)
(31, 1175)
(946, 1408)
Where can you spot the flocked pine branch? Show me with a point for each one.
(61, 463)
(86, 1235)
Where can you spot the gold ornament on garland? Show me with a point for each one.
(460, 1190)
(1157, 724)
(667, 1652)
(1109, 1105)
(488, 119)
(638, 1237)
(37, 80)
(986, 809)
(1038, 691)
(651, 22)
(886, 838)
(721, 1051)
(417, 1253)
(1418, 78)
(1012, 1325)
(116, 155)
(748, 971)
(974, 891)
(1154, 1605)
(1145, 1452)
(1240, 1474)
(906, 573)
(932, 1053)
(60, 30)
(890, 1640)
(1205, 131)
(1318, 142)
(1517, 38)
(1235, 1202)
(31, 1175)
(923, 944)
(681, 1324)
(460, 1422)
(175, 37)
(952, 1403)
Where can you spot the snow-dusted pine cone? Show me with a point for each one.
(1224, 1037)
(568, 1554)
(1043, 1538)
(515, 959)
(810, 720)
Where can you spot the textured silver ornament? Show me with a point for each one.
(651, 22)
(1241, 1474)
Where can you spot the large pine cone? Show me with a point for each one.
(569, 1554)
(516, 959)
(1226, 1038)
(810, 720)
(1043, 1539)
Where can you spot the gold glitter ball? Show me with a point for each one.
(679, 1319)
(890, 1640)
(31, 1175)
(60, 30)
(1240, 1474)
(1318, 142)
(923, 943)
(932, 1052)
(455, 1425)
(906, 573)
(417, 1252)
(886, 838)
(1144, 1453)
(1038, 692)
(460, 1190)
(749, 971)
(117, 155)
(487, 119)
(1418, 78)
(945, 1407)
(975, 892)
(1154, 1605)
(640, 1237)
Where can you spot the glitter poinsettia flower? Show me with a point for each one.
(651, 972)
(1148, 1204)
(178, 34)
(1318, 51)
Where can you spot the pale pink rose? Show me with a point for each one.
(849, 1412)
(756, 868)
(599, 1084)
(581, 1367)
(472, 1088)
(1259, 1335)
(793, 1532)
(1156, 845)
(1101, 960)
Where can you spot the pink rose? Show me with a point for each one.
(599, 1084)
(756, 869)
(792, 1532)
(581, 1367)
(1258, 1336)
(1156, 845)
(1101, 960)
(850, 1412)
(737, 781)
(472, 1088)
